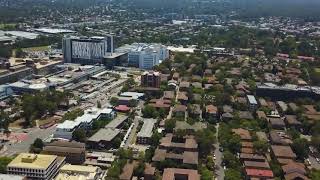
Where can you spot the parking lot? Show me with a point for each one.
(28, 136)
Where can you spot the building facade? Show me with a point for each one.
(143, 55)
(87, 50)
(150, 79)
(35, 166)
(74, 152)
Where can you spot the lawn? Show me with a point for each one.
(317, 69)
(39, 48)
(7, 26)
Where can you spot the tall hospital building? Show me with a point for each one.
(143, 55)
(87, 50)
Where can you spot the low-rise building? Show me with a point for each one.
(183, 174)
(71, 172)
(212, 113)
(103, 138)
(179, 111)
(74, 152)
(181, 150)
(35, 166)
(283, 154)
(65, 130)
(100, 159)
(146, 131)
(194, 111)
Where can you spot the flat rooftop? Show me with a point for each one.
(105, 134)
(117, 121)
(146, 130)
(32, 161)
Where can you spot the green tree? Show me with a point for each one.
(79, 135)
(139, 170)
(19, 53)
(132, 103)
(206, 174)
(114, 101)
(149, 112)
(232, 174)
(315, 141)
(4, 120)
(4, 161)
(301, 148)
(205, 139)
(230, 160)
(116, 142)
(37, 146)
(260, 146)
(98, 104)
(169, 125)
(315, 174)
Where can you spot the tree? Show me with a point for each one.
(72, 115)
(37, 146)
(315, 174)
(79, 135)
(260, 146)
(169, 125)
(116, 143)
(19, 53)
(276, 169)
(4, 161)
(132, 103)
(139, 170)
(98, 104)
(4, 120)
(206, 174)
(315, 141)
(114, 101)
(230, 160)
(205, 139)
(149, 112)
(232, 174)
(155, 139)
(301, 148)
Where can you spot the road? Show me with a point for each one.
(24, 146)
(219, 170)
(314, 163)
(133, 133)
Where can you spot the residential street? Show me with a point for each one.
(219, 169)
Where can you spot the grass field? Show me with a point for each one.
(317, 69)
(39, 48)
(7, 26)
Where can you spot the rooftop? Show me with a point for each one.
(243, 133)
(170, 174)
(104, 134)
(252, 99)
(32, 161)
(259, 173)
(117, 121)
(146, 130)
(65, 146)
(283, 151)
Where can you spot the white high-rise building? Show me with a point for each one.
(145, 56)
